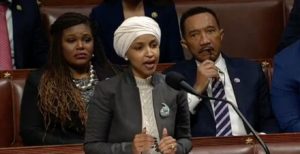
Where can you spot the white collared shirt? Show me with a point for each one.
(237, 125)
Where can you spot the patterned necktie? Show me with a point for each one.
(5, 52)
(222, 118)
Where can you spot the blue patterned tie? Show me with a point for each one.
(223, 124)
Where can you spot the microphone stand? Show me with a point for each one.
(260, 141)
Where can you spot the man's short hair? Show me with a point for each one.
(194, 11)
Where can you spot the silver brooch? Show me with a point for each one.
(164, 111)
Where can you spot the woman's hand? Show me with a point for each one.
(142, 142)
(168, 144)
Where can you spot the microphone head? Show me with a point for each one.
(173, 79)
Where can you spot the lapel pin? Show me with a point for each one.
(164, 111)
(237, 80)
(154, 14)
(19, 7)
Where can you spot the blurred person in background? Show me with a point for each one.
(24, 42)
(111, 13)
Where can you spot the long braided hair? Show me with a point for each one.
(58, 95)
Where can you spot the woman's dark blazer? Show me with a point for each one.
(115, 116)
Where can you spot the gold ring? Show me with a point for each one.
(173, 146)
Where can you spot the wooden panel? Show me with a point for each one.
(244, 140)
(6, 114)
(278, 144)
(255, 29)
(15, 74)
(56, 149)
(285, 143)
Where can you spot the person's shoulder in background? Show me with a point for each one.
(292, 31)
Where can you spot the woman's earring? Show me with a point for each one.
(93, 55)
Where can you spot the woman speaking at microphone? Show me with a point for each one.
(136, 111)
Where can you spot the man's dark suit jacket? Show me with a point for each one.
(109, 16)
(252, 96)
(29, 38)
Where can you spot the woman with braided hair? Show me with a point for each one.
(55, 99)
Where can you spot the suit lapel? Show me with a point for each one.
(17, 31)
(157, 100)
(236, 79)
(132, 95)
(190, 72)
(17, 10)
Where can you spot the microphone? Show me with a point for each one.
(177, 81)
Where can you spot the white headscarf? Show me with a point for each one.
(132, 28)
